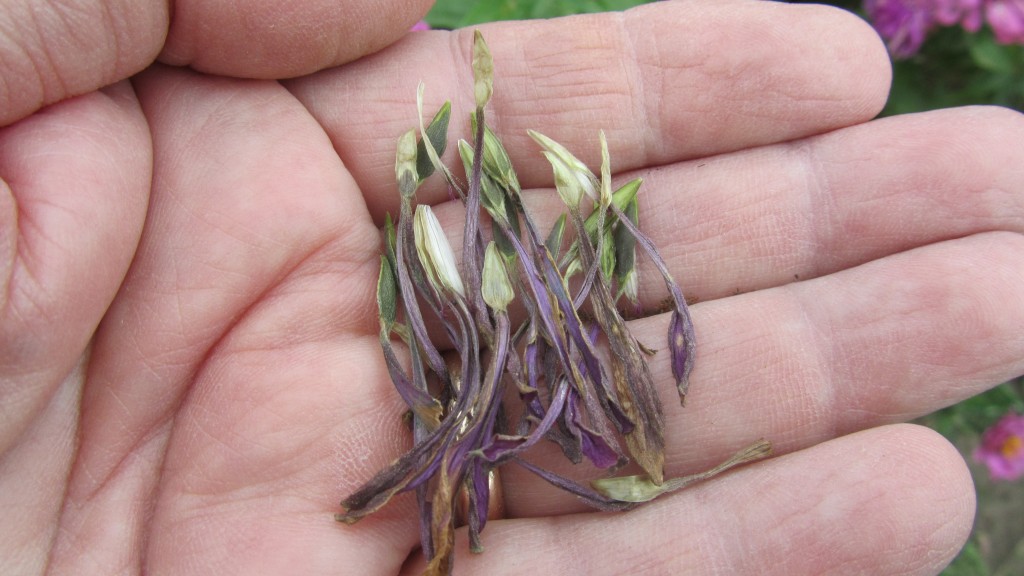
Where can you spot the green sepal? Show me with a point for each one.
(496, 162)
(387, 295)
(437, 132)
(607, 256)
(621, 198)
(554, 239)
(625, 244)
(390, 239)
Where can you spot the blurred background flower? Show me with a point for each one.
(1002, 448)
(904, 24)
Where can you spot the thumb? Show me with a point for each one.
(51, 50)
(275, 39)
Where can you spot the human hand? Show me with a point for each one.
(234, 391)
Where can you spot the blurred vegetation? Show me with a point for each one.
(451, 14)
(953, 68)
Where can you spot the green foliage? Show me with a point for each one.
(956, 68)
(972, 416)
(970, 562)
(459, 13)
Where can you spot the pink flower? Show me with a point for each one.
(967, 13)
(421, 25)
(904, 24)
(1002, 448)
(1006, 17)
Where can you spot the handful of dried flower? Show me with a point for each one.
(461, 425)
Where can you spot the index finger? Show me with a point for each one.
(666, 81)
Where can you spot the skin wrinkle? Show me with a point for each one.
(285, 39)
(187, 377)
(31, 307)
(384, 414)
(822, 207)
(57, 27)
(200, 367)
(635, 84)
(162, 420)
(69, 393)
(64, 21)
(35, 60)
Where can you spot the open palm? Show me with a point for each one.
(191, 378)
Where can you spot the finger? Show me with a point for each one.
(72, 203)
(269, 39)
(248, 200)
(757, 219)
(53, 50)
(885, 501)
(666, 81)
(883, 342)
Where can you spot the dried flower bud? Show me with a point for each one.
(405, 164)
(435, 253)
(496, 163)
(586, 178)
(568, 186)
(588, 404)
(483, 70)
(495, 286)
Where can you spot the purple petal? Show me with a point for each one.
(591, 444)
(501, 448)
(589, 495)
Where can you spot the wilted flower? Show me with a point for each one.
(588, 405)
(1002, 448)
(561, 158)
